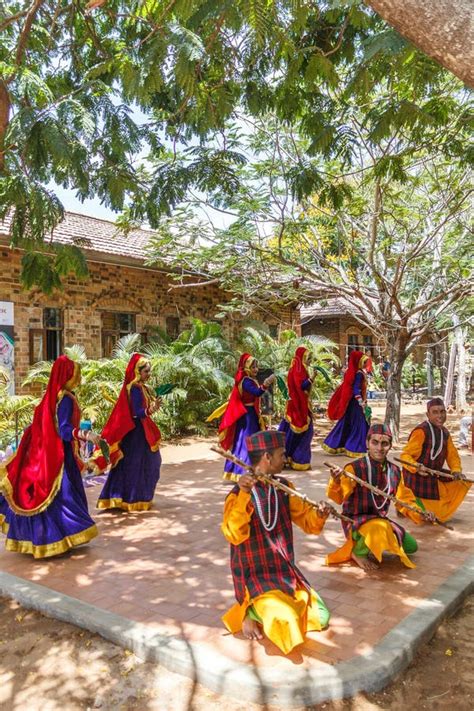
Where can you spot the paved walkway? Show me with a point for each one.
(168, 568)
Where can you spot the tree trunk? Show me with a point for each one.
(397, 357)
(429, 373)
(448, 392)
(442, 29)
(461, 401)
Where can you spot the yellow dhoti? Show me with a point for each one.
(284, 619)
(451, 496)
(379, 537)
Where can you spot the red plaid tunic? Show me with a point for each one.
(265, 561)
(360, 504)
(426, 487)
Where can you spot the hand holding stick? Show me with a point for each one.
(458, 476)
(427, 515)
(323, 507)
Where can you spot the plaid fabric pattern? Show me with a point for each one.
(378, 428)
(265, 561)
(360, 504)
(426, 487)
(265, 440)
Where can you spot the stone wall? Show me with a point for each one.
(114, 288)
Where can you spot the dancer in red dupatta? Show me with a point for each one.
(298, 421)
(347, 405)
(134, 441)
(44, 512)
(242, 414)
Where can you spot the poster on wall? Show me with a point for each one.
(7, 344)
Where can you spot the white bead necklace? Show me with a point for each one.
(267, 523)
(434, 454)
(388, 487)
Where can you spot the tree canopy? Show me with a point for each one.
(130, 102)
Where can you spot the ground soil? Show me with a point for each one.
(46, 665)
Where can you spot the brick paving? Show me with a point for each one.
(168, 568)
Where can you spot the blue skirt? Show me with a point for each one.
(349, 435)
(131, 484)
(297, 446)
(63, 525)
(245, 426)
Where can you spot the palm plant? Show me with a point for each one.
(16, 412)
(277, 354)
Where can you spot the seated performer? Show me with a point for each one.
(273, 596)
(372, 532)
(297, 423)
(241, 414)
(44, 508)
(430, 445)
(134, 441)
(347, 405)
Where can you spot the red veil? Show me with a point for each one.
(33, 475)
(343, 394)
(297, 408)
(121, 422)
(235, 407)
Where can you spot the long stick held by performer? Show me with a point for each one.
(280, 485)
(274, 598)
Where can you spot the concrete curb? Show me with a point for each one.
(368, 672)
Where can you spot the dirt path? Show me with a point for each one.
(46, 665)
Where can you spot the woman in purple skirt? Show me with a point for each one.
(347, 405)
(44, 509)
(134, 441)
(298, 421)
(241, 417)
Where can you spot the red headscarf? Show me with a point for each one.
(342, 396)
(297, 408)
(33, 475)
(235, 407)
(121, 422)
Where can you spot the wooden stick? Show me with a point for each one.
(268, 479)
(435, 472)
(391, 497)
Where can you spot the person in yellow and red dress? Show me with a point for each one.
(241, 416)
(430, 445)
(372, 532)
(274, 598)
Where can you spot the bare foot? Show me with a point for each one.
(364, 562)
(251, 629)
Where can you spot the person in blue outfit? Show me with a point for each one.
(347, 405)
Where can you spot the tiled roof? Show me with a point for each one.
(97, 235)
(326, 308)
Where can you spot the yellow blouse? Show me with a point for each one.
(413, 447)
(238, 511)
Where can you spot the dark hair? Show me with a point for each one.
(256, 455)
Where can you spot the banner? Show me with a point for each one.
(7, 344)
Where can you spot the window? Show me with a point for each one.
(369, 345)
(114, 326)
(353, 343)
(172, 326)
(47, 343)
(273, 330)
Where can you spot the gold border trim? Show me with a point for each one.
(343, 450)
(298, 467)
(50, 549)
(124, 505)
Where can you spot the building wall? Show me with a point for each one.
(118, 288)
(339, 329)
